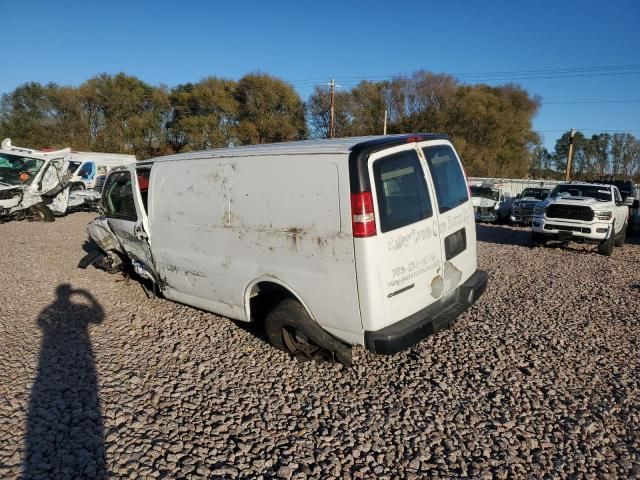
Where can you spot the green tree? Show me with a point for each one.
(203, 115)
(625, 154)
(367, 108)
(562, 153)
(269, 110)
(27, 115)
(318, 111)
(125, 115)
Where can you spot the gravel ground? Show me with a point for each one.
(541, 378)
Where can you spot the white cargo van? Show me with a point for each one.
(331, 243)
(86, 168)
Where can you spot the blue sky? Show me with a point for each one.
(303, 42)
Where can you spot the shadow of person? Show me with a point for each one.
(64, 436)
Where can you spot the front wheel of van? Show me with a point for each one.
(289, 328)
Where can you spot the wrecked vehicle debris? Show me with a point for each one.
(41, 184)
(491, 203)
(328, 244)
(33, 183)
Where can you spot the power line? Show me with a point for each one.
(589, 102)
(575, 72)
(622, 130)
(503, 72)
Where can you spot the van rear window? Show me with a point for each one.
(402, 193)
(448, 178)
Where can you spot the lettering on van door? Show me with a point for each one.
(410, 270)
(454, 222)
(413, 237)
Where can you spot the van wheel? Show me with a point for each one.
(289, 328)
(606, 246)
(42, 213)
(620, 238)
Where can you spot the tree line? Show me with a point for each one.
(491, 126)
(601, 155)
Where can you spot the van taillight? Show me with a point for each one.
(363, 218)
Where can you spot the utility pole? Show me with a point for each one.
(567, 174)
(384, 131)
(332, 125)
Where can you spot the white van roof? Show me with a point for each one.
(8, 147)
(316, 146)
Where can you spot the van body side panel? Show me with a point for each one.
(218, 224)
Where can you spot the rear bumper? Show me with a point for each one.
(406, 333)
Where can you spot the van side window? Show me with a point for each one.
(143, 185)
(86, 171)
(448, 178)
(118, 197)
(403, 197)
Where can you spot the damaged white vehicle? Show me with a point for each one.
(490, 203)
(324, 243)
(33, 183)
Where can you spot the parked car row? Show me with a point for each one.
(492, 203)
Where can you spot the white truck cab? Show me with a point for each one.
(331, 243)
(32, 181)
(583, 212)
(86, 168)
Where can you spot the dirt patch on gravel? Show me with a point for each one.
(540, 378)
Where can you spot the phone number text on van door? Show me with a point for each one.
(413, 269)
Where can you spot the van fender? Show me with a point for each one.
(338, 350)
(271, 279)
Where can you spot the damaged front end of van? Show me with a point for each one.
(104, 248)
(109, 253)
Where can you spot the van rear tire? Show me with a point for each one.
(289, 328)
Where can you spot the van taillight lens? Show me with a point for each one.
(363, 218)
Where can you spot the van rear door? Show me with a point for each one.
(405, 251)
(456, 223)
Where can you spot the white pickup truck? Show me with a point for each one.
(582, 212)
